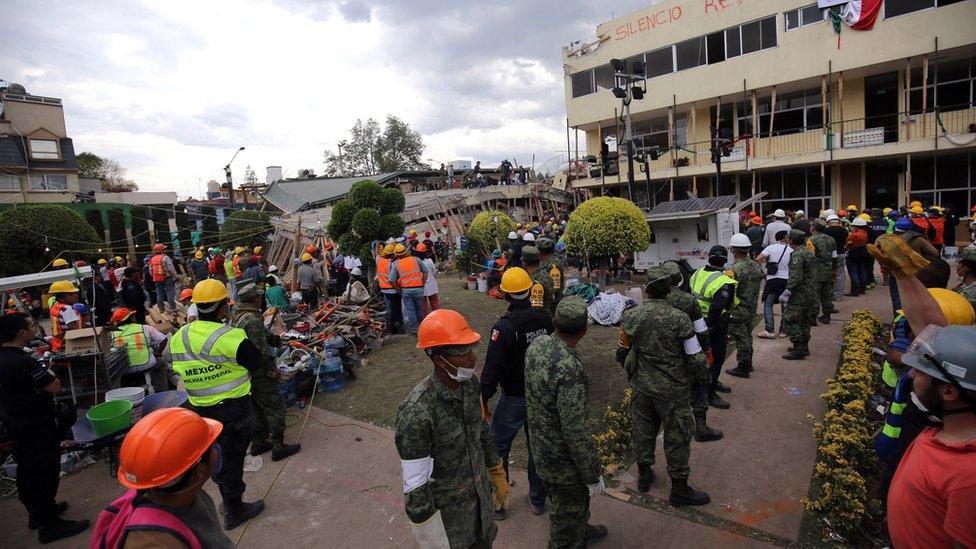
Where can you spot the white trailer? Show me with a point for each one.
(687, 229)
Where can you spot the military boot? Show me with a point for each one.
(682, 494)
(281, 451)
(704, 433)
(593, 534)
(258, 448)
(645, 477)
(743, 370)
(796, 352)
(824, 319)
(239, 513)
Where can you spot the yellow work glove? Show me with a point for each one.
(894, 254)
(500, 482)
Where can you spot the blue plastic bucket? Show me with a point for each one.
(333, 383)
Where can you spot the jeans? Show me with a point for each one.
(232, 290)
(772, 298)
(839, 283)
(394, 312)
(509, 416)
(166, 291)
(857, 268)
(413, 309)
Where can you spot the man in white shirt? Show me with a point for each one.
(779, 253)
(779, 224)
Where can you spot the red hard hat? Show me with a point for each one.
(445, 327)
(186, 293)
(427, 233)
(159, 247)
(421, 247)
(164, 445)
(80, 263)
(329, 245)
(444, 221)
(311, 249)
(121, 314)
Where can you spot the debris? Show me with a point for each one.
(792, 391)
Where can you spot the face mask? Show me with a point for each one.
(462, 374)
(924, 408)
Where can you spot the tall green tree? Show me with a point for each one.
(370, 149)
(89, 165)
(32, 236)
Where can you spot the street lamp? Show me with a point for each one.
(629, 85)
(230, 181)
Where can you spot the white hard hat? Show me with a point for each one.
(513, 235)
(779, 213)
(740, 240)
(832, 217)
(800, 213)
(273, 269)
(356, 271)
(529, 237)
(827, 213)
(858, 222)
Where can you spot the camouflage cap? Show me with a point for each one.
(530, 254)
(968, 253)
(674, 271)
(248, 291)
(545, 245)
(796, 235)
(571, 314)
(659, 279)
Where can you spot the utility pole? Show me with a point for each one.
(634, 82)
(230, 180)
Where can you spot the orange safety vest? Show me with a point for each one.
(410, 276)
(237, 267)
(938, 224)
(57, 327)
(922, 224)
(156, 268)
(383, 273)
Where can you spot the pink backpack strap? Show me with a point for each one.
(149, 517)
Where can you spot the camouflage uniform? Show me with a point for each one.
(446, 425)
(556, 392)
(742, 318)
(823, 248)
(269, 408)
(550, 265)
(686, 303)
(802, 300)
(541, 294)
(663, 374)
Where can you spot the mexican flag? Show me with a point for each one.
(861, 14)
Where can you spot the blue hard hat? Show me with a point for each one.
(893, 214)
(560, 246)
(904, 224)
(81, 308)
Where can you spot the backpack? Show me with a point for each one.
(123, 516)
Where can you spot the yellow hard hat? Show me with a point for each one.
(917, 210)
(886, 211)
(955, 307)
(413, 232)
(117, 258)
(389, 249)
(238, 250)
(914, 203)
(865, 217)
(209, 291)
(400, 249)
(62, 287)
(516, 280)
(306, 257)
(102, 262)
(59, 262)
(852, 207)
(257, 250)
(198, 254)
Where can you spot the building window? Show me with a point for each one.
(948, 180)
(804, 16)
(795, 112)
(715, 44)
(690, 53)
(603, 77)
(895, 8)
(659, 62)
(733, 42)
(796, 189)
(9, 183)
(582, 83)
(956, 89)
(44, 149)
(45, 182)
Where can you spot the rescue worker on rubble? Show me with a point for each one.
(800, 312)
(556, 393)
(663, 360)
(309, 281)
(715, 292)
(163, 277)
(742, 318)
(548, 263)
(143, 344)
(269, 408)
(440, 434)
(216, 362)
(542, 295)
(505, 366)
(408, 274)
(394, 308)
(686, 303)
(63, 314)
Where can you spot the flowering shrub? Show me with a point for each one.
(846, 450)
(606, 226)
(485, 232)
(614, 444)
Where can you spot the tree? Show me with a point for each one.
(32, 236)
(364, 218)
(246, 228)
(250, 178)
(114, 178)
(89, 166)
(370, 150)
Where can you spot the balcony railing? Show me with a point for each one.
(856, 133)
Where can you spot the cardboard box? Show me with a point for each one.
(83, 341)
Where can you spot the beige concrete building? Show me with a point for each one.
(37, 158)
(873, 117)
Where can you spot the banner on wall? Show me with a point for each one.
(861, 14)
(830, 3)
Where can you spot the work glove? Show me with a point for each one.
(498, 479)
(785, 297)
(597, 489)
(897, 256)
(709, 356)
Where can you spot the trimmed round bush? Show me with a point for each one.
(350, 244)
(606, 226)
(391, 226)
(485, 231)
(392, 201)
(366, 224)
(341, 222)
(366, 194)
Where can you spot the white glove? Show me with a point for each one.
(597, 489)
(785, 296)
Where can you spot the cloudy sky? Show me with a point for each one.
(171, 89)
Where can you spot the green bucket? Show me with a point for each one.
(110, 417)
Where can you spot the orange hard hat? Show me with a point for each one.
(159, 247)
(187, 293)
(164, 445)
(444, 222)
(757, 220)
(329, 245)
(445, 327)
(311, 249)
(121, 314)
(842, 213)
(421, 247)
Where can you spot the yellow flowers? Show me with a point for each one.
(614, 444)
(844, 434)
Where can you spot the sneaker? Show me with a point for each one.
(766, 335)
(61, 529)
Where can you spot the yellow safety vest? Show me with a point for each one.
(888, 373)
(133, 338)
(704, 284)
(205, 355)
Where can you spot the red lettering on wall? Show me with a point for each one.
(719, 5)
(648, 22)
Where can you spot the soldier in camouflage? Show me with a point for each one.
(824, 250)
(686, 303)
(269, 408)
(800, 297)
(452, 475)
(542, 295)
(966, 271)
(663, 360)
(549, 264)
(743, 316)
(556, 392)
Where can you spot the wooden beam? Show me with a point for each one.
(840, 104)
(755, 124)
(772, 123)
(925, 93)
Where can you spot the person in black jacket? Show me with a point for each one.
(505, 366)
(99, 299)
(132, 294)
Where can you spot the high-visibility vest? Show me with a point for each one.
(229, 269)
(409, 274)
(885, 444)
(133, 337)
(383, 273)
(938, 224)
(704, 284)
(57, 326)
(204, 354)
(237, 268)
(888, 373)
(156, 268)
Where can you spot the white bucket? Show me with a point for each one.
(483, 285)
(135, 395)
(472, 285)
